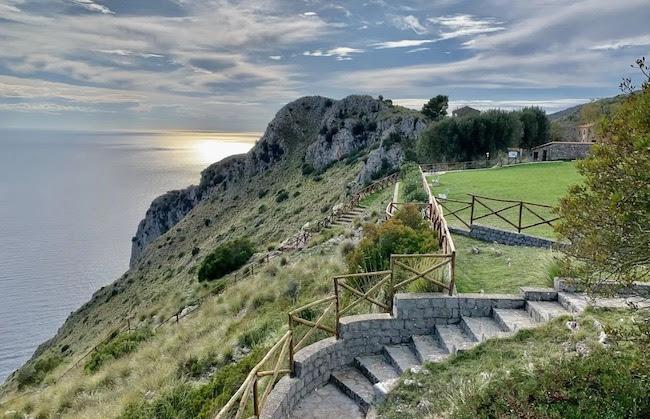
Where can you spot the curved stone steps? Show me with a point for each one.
(369, 378)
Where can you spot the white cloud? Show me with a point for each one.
(275, 57)
(341, 53)
(409, 22)
(310, 14)
(93, 7)
(638, 41)
(414, 50)
(405, 43)
(463, 25)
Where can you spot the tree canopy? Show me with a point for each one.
(436, 107)
(607, 219)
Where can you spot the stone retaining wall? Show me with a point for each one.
(510, 238)
(413, 314)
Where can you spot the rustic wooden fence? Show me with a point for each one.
(353, 294)
(466, 165)
(519, 215)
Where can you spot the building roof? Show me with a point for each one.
(465, 109)
(562, 142)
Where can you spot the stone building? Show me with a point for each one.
(465, 111)
(561, 150)
(587, 133)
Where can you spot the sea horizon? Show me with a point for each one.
(70, 200)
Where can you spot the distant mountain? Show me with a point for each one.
(565, 122)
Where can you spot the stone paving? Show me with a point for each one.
(327, 402)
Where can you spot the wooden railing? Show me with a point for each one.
(305, 316)
(511, 212)
(260, 381)
(518, 206)
(466, 165)
(374, 289)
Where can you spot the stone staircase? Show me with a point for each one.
(345, 377)
(353, 390)
(347, 218)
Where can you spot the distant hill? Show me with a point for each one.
(565, 122)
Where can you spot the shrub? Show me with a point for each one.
(225, 259)
(35, 373)
(282, 195)
(391, 237)
(411, 184)
(605, 384)
(120, 345)
(185, 401)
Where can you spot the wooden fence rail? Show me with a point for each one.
(260, 381)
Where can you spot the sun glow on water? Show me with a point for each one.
(207, 148)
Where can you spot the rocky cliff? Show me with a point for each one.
(317, 130)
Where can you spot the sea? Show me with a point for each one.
(69, 204)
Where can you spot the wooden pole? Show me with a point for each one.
(521, 207)
(291, 367)
(338, 307)
(471, 214)
(256, 403)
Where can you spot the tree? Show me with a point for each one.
(436, 107)
(536, 127)
(606, 220)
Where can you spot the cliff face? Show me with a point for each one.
(319, 130)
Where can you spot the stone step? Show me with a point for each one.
(453, 338)
(538, 294)
(355, 385)
(572, 302)
(428, 349)
(482, 328)
(376, 368)
(401, 357)
(513, 320)
(543, 311)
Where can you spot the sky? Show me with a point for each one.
(230, 65)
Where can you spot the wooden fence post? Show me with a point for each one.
(291, 346)
(471, 213)
(521, 207)
(338, 306)
(256, 403)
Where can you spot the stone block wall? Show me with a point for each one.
(413, 314)
(510, 238)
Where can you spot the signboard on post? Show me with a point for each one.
(513, 154)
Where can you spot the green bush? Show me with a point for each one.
(185, 401)
(411, 184)
(120, 345)
(225, 259)
(401, 234)
(35, 373)
(605, 384)
(282, 195)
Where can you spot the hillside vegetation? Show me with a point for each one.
(553, 371)
(313, 154)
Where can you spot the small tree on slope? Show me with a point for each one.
(607, 219)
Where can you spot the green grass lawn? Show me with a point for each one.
(498, 268)
(540, 183)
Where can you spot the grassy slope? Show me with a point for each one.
(498, 268)
(537, 373)
(542, 183)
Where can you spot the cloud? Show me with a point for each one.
(409, 22)
(417, 50)
(464, 25)
(405, 43)
(275, 57)
(310, 14)
(93, 7)
(638, 41)
(341, 53)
